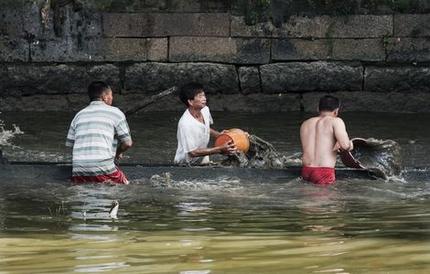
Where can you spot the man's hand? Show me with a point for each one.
(351, 145)
(337, 147)
(119, 156)
(229, 148)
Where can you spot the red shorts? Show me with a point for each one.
(319, 175)
(117, 177)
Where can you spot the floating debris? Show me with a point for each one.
(113, 212)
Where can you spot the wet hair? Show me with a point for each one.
(96, 89)
(189, 91)
(328, 103)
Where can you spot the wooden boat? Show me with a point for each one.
(43, 172)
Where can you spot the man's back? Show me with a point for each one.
(321, 138)
(318, 141)
(92, 136)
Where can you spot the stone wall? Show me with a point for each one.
(255, 55)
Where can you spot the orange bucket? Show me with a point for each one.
(238, 136)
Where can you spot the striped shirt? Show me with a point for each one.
(93, 134)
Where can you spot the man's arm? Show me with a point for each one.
(214, 133)
(227, 148)
(70, 140)
(123, 134)
(122, 148)
(342, 139)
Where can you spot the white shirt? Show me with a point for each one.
(192, 135)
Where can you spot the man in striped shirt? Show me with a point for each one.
(94, 134)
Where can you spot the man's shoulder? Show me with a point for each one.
(184, 120)
(310, 120)
(337, 120)
(115, 111)
(206, 109)
(82, 111)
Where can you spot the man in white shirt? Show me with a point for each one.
(194, 129)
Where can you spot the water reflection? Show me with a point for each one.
(272, 227)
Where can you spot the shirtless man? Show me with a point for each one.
(322, 137)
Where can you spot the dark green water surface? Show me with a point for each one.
(218, 225)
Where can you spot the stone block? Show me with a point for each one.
(13, 50)
(214, 49)
(361, 26)
(301, 49)
(109, 49)
(133, 49)
(125, 24)
(59, 79)
(373, 101)
(315, 76)
(240, 29)
(328, 49)
(166, 24)
(193, 24)
(152, 78)
(411, 25)
(108, 73)
(324, 26)
(405, 78)
(358, 49)
(29, 79)
(352, 26)
(157, 49)
(307, 27)
(249, 78)
(408, 50)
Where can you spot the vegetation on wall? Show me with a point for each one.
(280, 10)
(253, 10)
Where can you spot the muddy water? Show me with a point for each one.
(222, 225)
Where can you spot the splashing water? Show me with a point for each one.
(262, 154)
(7, 134)
(381, 157)
(224, 183)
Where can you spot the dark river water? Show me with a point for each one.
(218, 225)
